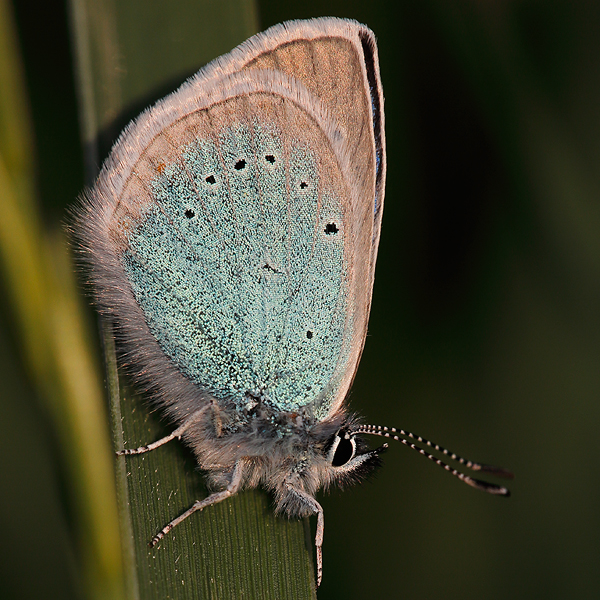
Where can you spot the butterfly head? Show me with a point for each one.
(332, 455)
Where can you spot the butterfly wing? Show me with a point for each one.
(233, 232)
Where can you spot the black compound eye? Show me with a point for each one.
(344, 451)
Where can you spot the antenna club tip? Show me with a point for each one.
(499, 491)
(496, 471)
(484, 486)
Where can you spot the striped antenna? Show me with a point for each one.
(399, 435)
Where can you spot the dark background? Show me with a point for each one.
(484, 332)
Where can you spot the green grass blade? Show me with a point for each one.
(129, 54)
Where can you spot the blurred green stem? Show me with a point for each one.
(50, 325)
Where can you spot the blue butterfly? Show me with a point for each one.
(232, 235)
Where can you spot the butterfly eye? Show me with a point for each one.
(344, 451)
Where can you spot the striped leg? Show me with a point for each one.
(318, 510)
(175, 434)
(232, 488)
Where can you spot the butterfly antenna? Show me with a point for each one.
(400, 436)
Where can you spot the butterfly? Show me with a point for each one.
(232, 236)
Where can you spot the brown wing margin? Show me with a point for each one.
(372, 68)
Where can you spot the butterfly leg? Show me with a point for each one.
(309, 501)
(175, 434)
(232, 488)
